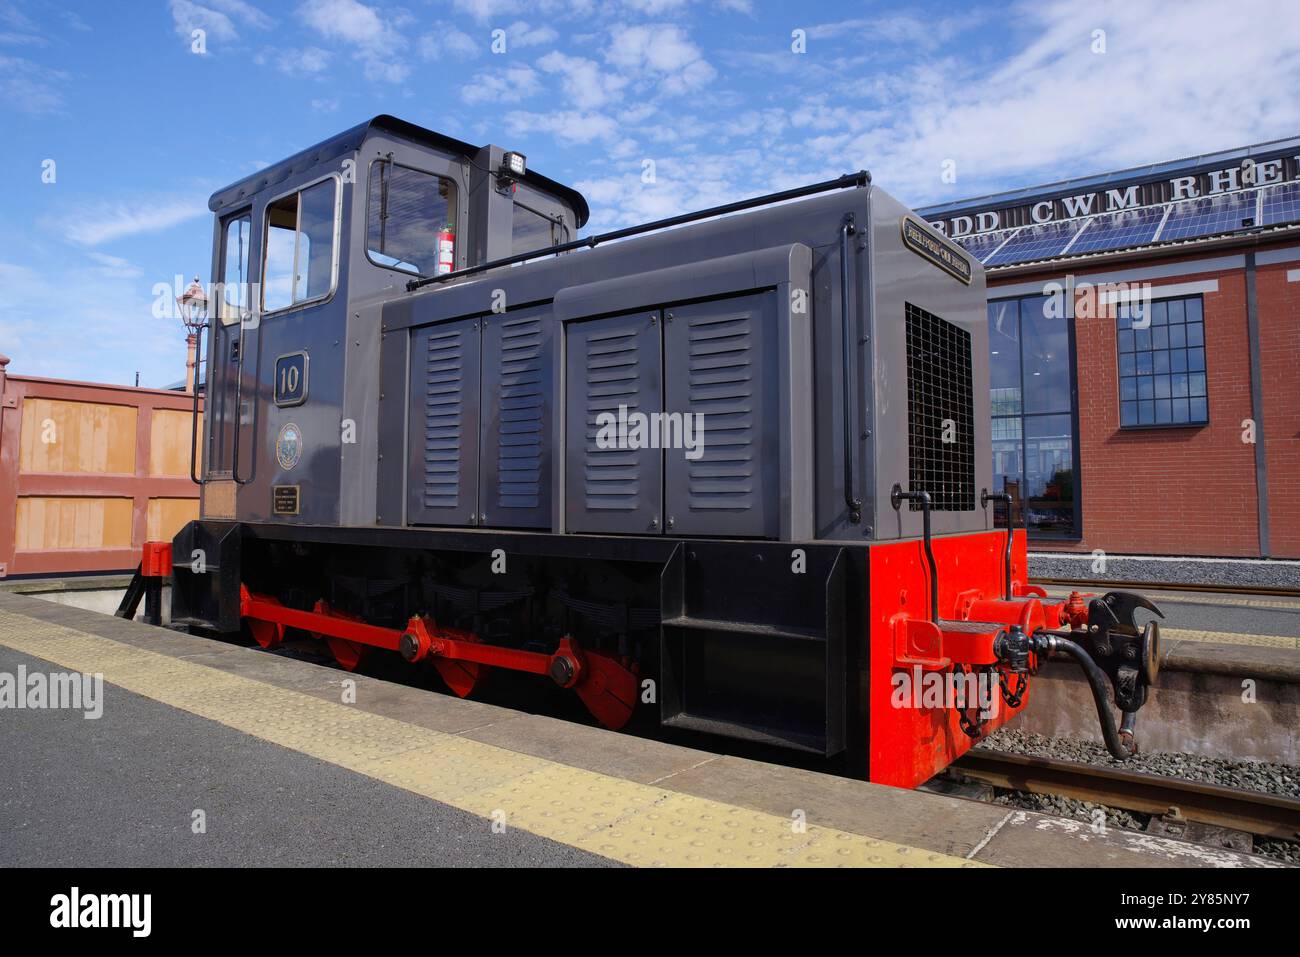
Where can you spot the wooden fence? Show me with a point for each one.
(89, 473)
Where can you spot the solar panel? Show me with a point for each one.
(980, 246)
(1129, 227)
(1035, 242)
(1209, 215)
(1281, 204)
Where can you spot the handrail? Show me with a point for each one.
(239, 413)
(854, 504)
(859, 179)
(897, 496)
(194, 419)
(985, 497)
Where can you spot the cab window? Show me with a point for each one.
(235, 299)
(537, 223)
(410, 220)
(301, 238)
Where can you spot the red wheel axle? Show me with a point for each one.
(605, 685)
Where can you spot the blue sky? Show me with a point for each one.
(142, 129)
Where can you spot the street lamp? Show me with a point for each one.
(193, 304)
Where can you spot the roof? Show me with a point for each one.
(349, 140)
(1132, 174)
(1079, 223)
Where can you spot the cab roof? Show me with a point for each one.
(350, 140)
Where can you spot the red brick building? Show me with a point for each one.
(1144, 331)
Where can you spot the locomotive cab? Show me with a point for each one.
(305, 253)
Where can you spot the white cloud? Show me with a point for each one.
(655, 8)
(217, 18)
(452, 41)
(45, 336)
(485, 10)
(375, 42)
(502, 86)
(567, 126)
(103, 222)
(661, 52)
(583, 80)
(30, 87)
(241, 10)
(347, 20)
(520, 34)
(74, 21)
(114, 267)
(1165, 88)
(308, 60)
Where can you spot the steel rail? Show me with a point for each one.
(1097, 583)
(1256, 812)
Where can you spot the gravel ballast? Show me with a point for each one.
(1269, 778)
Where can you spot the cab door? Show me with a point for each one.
(231, 310)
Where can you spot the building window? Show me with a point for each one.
(1162, 363)
(299, 264)
(1035, 440)
(410, 220)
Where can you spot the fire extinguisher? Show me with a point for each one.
(446, 239)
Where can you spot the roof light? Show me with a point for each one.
(514, 165)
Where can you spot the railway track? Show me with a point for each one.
(1270, 815)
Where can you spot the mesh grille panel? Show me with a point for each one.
(940, 405)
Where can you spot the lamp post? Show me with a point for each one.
(193, 304)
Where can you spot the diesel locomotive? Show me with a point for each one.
(720, 472)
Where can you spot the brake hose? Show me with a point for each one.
(1119, 742)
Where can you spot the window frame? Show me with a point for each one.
(244, 310)
(553, 220)
(336, 252)
(1022, 416)
(453, 215)
(1120, 377)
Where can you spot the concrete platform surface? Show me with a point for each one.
(290, 762)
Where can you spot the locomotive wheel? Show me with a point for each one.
(268, 634)
(348, 654)
(462, 677)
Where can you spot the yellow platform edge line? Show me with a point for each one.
(621, 820)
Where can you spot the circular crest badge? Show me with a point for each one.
(288, 446)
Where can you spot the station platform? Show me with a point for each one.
(210, 753)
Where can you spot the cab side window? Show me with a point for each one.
(301, 239)
(410, 220)
(537, 222)
(235, 299)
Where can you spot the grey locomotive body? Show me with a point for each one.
(676, 448)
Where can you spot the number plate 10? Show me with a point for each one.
(291, 379)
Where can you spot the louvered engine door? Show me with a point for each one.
(442, 485)
(612, 374)
(518, 390)
(720, 364)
